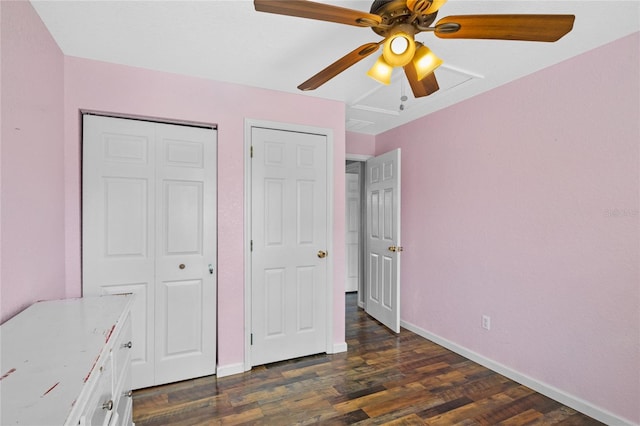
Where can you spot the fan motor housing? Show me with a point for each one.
(396, 12)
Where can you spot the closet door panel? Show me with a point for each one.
(118, 224)
(185, 253)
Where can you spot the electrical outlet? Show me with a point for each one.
(486, 322)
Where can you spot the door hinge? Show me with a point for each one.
(251, 338)
(251, 151)
(251, 247)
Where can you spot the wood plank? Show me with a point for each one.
(383, 378)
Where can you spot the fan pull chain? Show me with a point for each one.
(403, 97)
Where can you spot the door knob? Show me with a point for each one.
(181, 266)
(322, 254)
(395, 249)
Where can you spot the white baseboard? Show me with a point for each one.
(229, 370)
(339, 347)
(543, 388)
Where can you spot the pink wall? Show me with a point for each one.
(361, 144)
(92, 85)
(32, 165)
(523, 204)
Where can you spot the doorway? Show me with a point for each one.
(354, 228)
(378, 257)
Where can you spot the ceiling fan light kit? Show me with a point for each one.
(381, 71)
(425, 61)
(398, 48)
(398, 21)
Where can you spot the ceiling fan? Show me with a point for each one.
(398, 21)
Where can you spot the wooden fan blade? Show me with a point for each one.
(506, 27)
(340, 65)
(319, 11)
(420, 88)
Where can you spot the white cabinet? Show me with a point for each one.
(68, 362)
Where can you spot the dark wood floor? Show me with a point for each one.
(384, 378)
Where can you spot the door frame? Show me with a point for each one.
(328, 133)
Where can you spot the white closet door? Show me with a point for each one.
(149, 207)
(185, 253)
(289, 236)
(118, 224)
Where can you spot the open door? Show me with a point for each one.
(383, 247)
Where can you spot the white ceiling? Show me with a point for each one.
(229, 41)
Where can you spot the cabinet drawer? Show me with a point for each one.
(123, 396)
(125, 405)
(122, 351)
(100, 407)
(121, 363)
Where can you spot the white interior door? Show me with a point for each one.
(352, 225)
(289, 236)
(148, 208)
(383, 246)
